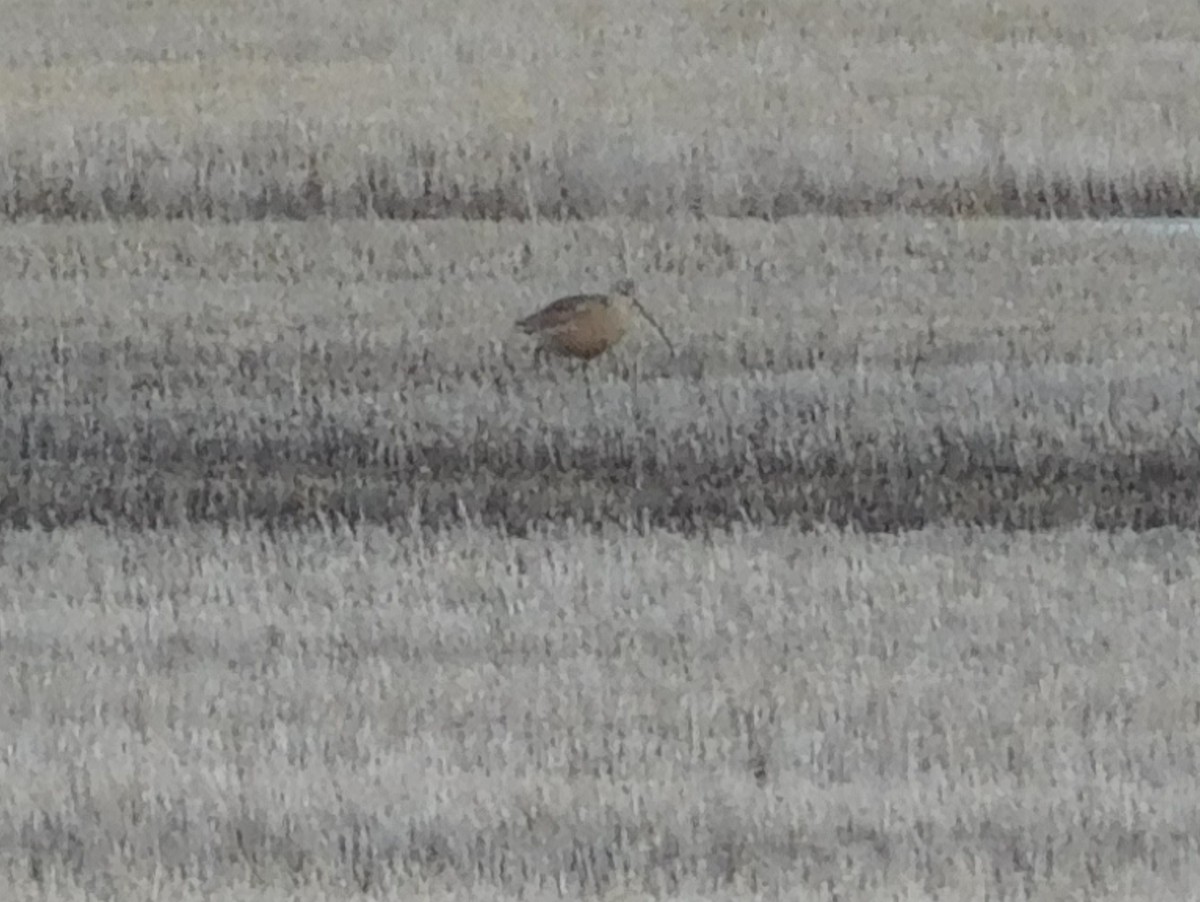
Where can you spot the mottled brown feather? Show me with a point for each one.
(586, 325)
(559, 312)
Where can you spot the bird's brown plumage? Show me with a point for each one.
(586, 325)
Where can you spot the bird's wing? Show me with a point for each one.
(559, 312)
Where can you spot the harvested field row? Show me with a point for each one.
(448, 291)
(875, 450)
(886, 489)
(539, 110)
(879, 375)
(268, 174)
(429, 36)
(163, 313)
(588, 712)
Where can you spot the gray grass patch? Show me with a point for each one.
(881, 375)
(537, 111)
(596, 712)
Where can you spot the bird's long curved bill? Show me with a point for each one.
(652, 321)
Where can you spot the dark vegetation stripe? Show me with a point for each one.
(890, 489)
(429, 185)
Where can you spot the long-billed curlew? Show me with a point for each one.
(586, 325)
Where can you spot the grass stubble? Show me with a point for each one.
(460, 714)
(311, 585)
(876, 375)
(406, 111)
(559, 658)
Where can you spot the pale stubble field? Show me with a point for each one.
(456, 714)
(538, 108)
(877, 374)
(419, 619)
(313, 586)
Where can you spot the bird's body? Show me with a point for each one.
(582, 325)
(587, 325)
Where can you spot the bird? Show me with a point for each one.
(586, 325)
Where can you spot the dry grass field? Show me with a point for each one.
(879, 374)
(414, 109)
(314, 584)
(768, 713)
